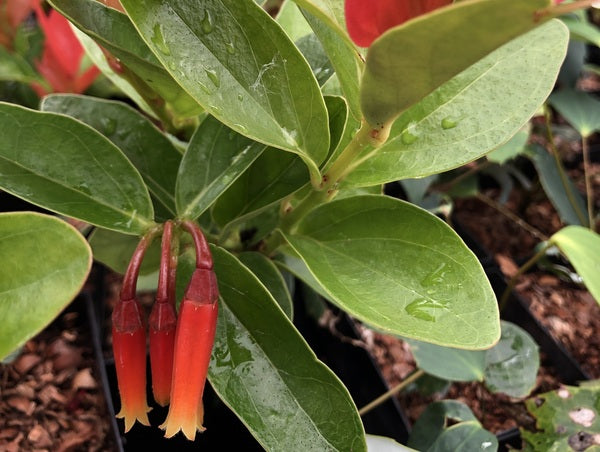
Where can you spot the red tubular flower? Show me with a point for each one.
(194, 340)
(62, 56)
(129, 343)
(366, 20)
(162, 322)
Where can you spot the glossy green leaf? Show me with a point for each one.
(449, 363)
(114, 31)
(567, 419)
(268, 274)
(65, 166)
(582, 248)
(273, 176)
(568, 201)
(46, 262)
(465, 436)
(582, 29)
(511, 366)
(145, 146)
(580, 109)
(289, 261)
(114, 250)
(408, 62)
(265, 372)
(311, 48)
(339, 125)
(330, 12)
(432, 422)
(344, 58)
(292, 21)
(95, 54)
(215, 158)
(233, 58)
(473, 113)
(400, 269)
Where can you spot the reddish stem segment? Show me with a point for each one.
(203, 256)
(133, 270)
(162, 293)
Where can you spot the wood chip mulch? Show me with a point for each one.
(50, 399)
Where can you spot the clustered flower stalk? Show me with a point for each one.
(180, 344)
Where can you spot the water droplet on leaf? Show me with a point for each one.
(408, 138)
(109, 125)
(425, 309)
(159, 40)
(230, 48)
(448, 123)
(207, 22)
(214, 78)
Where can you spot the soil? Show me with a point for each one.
(50, 397)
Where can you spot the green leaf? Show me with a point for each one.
(233, 58)
(449, 363)
(580, 109)
(582, 248)
(292, 21)
(475, 112)
(566, 419)
(49, 262)
(267, 374)
(408, 62)
(13, 67)
(511, 149)
(145, 146)
(432, 422)
(289, 261)
(215, 158)
(63, 165)
(344, 58)
(339, 125)
(114, 250)
(465, 436)
(114, 31)
(400, 269)
(572, 209)
(311, 48)
(273, 176)
(582, 29)
(512, 364)
(94, 52)
(330, 12)
(383, 444)
(266, 271)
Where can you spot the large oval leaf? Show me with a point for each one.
(145, 146)
(265, 372)
(409, 61)
(46, 262)
(234, 59)
(473, 113)
(114, 31)
(65, 166)
(400, 269)
(215, 158)
(582, 248)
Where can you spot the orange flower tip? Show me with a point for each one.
(188, 428)
(130, 418)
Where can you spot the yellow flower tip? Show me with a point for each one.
(188, 427)
(141, 416)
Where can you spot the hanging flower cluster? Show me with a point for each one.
(180, 345)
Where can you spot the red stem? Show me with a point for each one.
(172, 283)
(203, 256)
(164, 274)
(133, 270)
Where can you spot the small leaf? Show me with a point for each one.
(145, 146)
(581, 109)
(400, 269)
(271, 177)
(582, 29)
(511, 366)
(475, 112)
(287, 404)
(49, 262)
(113, 31)
(449, 363)
(511, 149)
(215, 158)
(383, 444)
(63, 165)
(13, 67)
(311, 48)
(237, 63)
(410, 61)
(432, 422)
(465, 436)
(572, 209)
(582, 248)
(291, 20)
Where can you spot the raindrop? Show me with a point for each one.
(172, 65)
(408, 138)
(448, 123)
(240, 97)
(436, 277)
(214, 78)
(424, 309)
(109, 125)
(204, 88)
(241, 128)
(159, 40)
(230, 48)
(207, 22)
